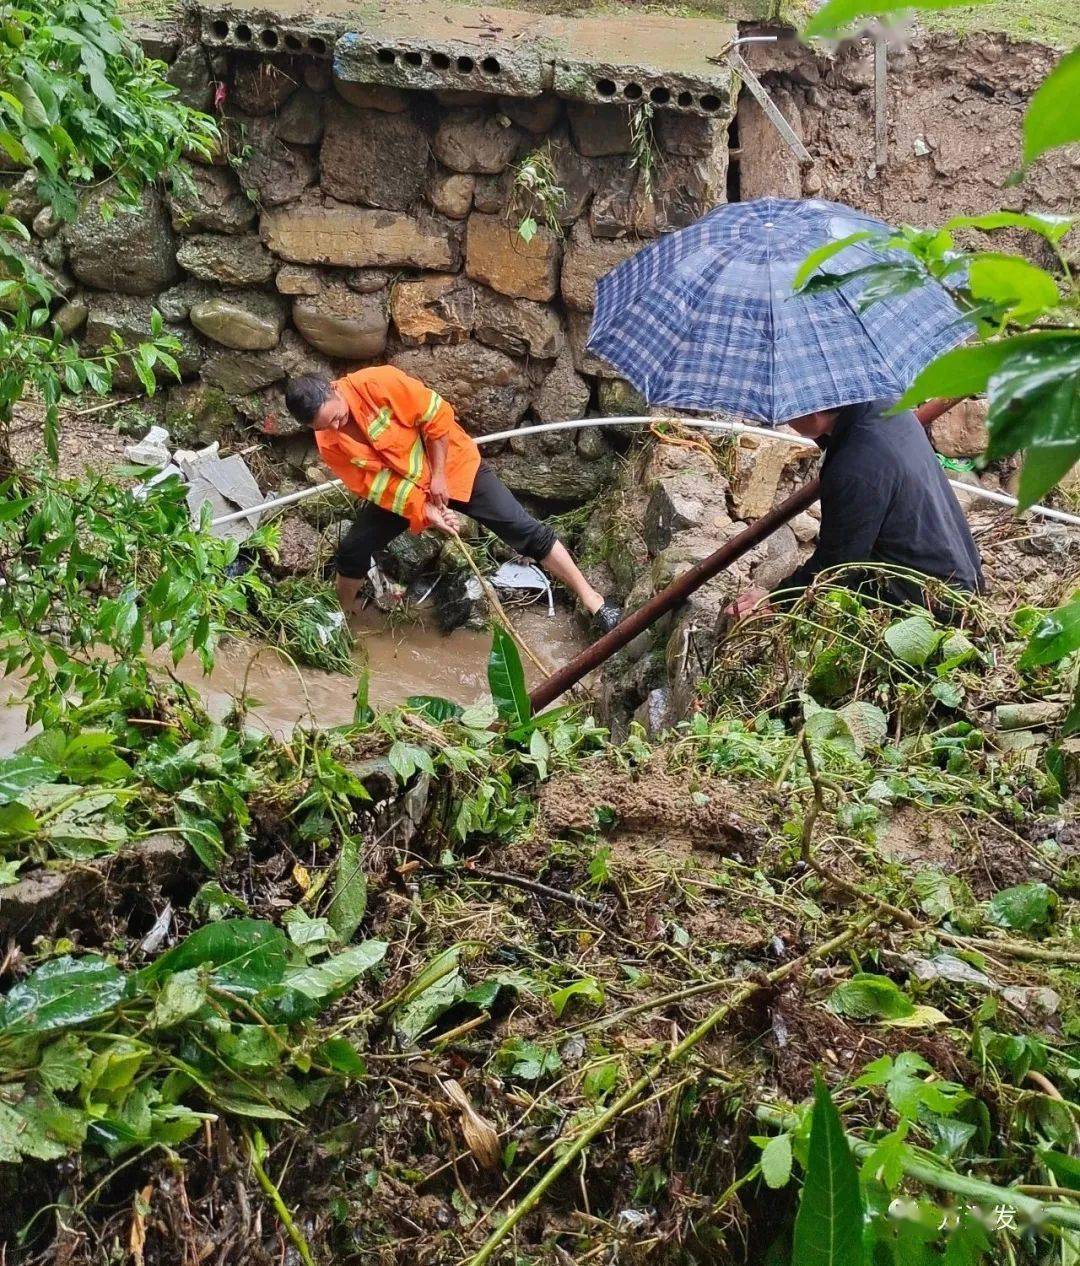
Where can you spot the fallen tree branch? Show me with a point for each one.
(527, 885)
(629, 1096)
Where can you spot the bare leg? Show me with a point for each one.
(347, 589)
(560, 565)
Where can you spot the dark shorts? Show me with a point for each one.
(491, 503)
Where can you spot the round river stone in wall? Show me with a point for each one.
(249, 322)
(341, 323)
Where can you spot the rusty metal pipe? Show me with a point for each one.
(683, 586)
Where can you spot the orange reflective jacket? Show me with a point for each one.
(380, 455)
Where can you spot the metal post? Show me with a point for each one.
(683, 586)
(881, 138)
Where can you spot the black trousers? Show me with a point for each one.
(491, 503)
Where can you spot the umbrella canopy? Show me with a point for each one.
(706, 319)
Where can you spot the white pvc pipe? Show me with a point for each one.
(705, 424)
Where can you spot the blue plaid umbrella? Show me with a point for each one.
(705, 318)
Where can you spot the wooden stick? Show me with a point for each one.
(496, 605)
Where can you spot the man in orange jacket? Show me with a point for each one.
(397, 444)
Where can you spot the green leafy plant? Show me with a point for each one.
(537, 195)
(218, 1025)
(829, 1225)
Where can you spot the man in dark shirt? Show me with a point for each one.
(884, 499)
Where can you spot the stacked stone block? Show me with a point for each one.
(345, 224)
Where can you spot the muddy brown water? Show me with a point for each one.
(406, 660)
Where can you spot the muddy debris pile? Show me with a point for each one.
(418, 985)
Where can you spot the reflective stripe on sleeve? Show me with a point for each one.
(378, 423)
(433, 407)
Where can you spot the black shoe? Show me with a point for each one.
(607, 617)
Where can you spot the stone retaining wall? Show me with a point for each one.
(345, 224)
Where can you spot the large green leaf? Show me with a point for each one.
(321, 980)
(822, 254)
(867, 996)
(62, 993)
(1024, 907)
(966, 371)
(506, 677)
(1053, 114)
(1057, 635)
(912, 640)
(1021, 289)
(829, 1224)
(1052, 227)
(435, 707)
(349, 902)
(1034, 399)
(836, 15)
(21, 773)
(246, 954)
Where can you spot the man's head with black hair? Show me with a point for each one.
(315, 401)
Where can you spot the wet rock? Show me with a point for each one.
(767, 167)
(133, 253)
(215, 203)
(46, 224)
(129, 318)
(488, 390)
(23, 201)
(962, 431)
(440, 308)
(592, 443)
(781, 558)
(451, 193)
(176, 303)
(365, 281)
(518, 326)
(534, 114)
(296, 356)
(300, 120)
(259, 86)
(656, 715)
(372, 96)
(475, 141)
(274, 173)
(1027, 716)
(323, 231)
(373, 158)
(686, 188)
(341, 323)
(72, 315)
(197, 414)
(233, 261)
(577, 333)
(491, 194)
(805, 527)
(600, 129)
(759, 466)
(191, 77)
(624, 205)
(296, 279)
(617, 398)
(686, 491)
(240, 373)
(409, 555)
(498, 256)
(266, 411)
(688, 135)
(247, 321)
(587, 260)
(299, 548)
(563, 475)
(564, 394)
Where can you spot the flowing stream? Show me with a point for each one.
(409, 659)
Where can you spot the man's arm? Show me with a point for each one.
(436, 450)
(853, 509)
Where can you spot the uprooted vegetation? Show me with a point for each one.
(425, 984)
